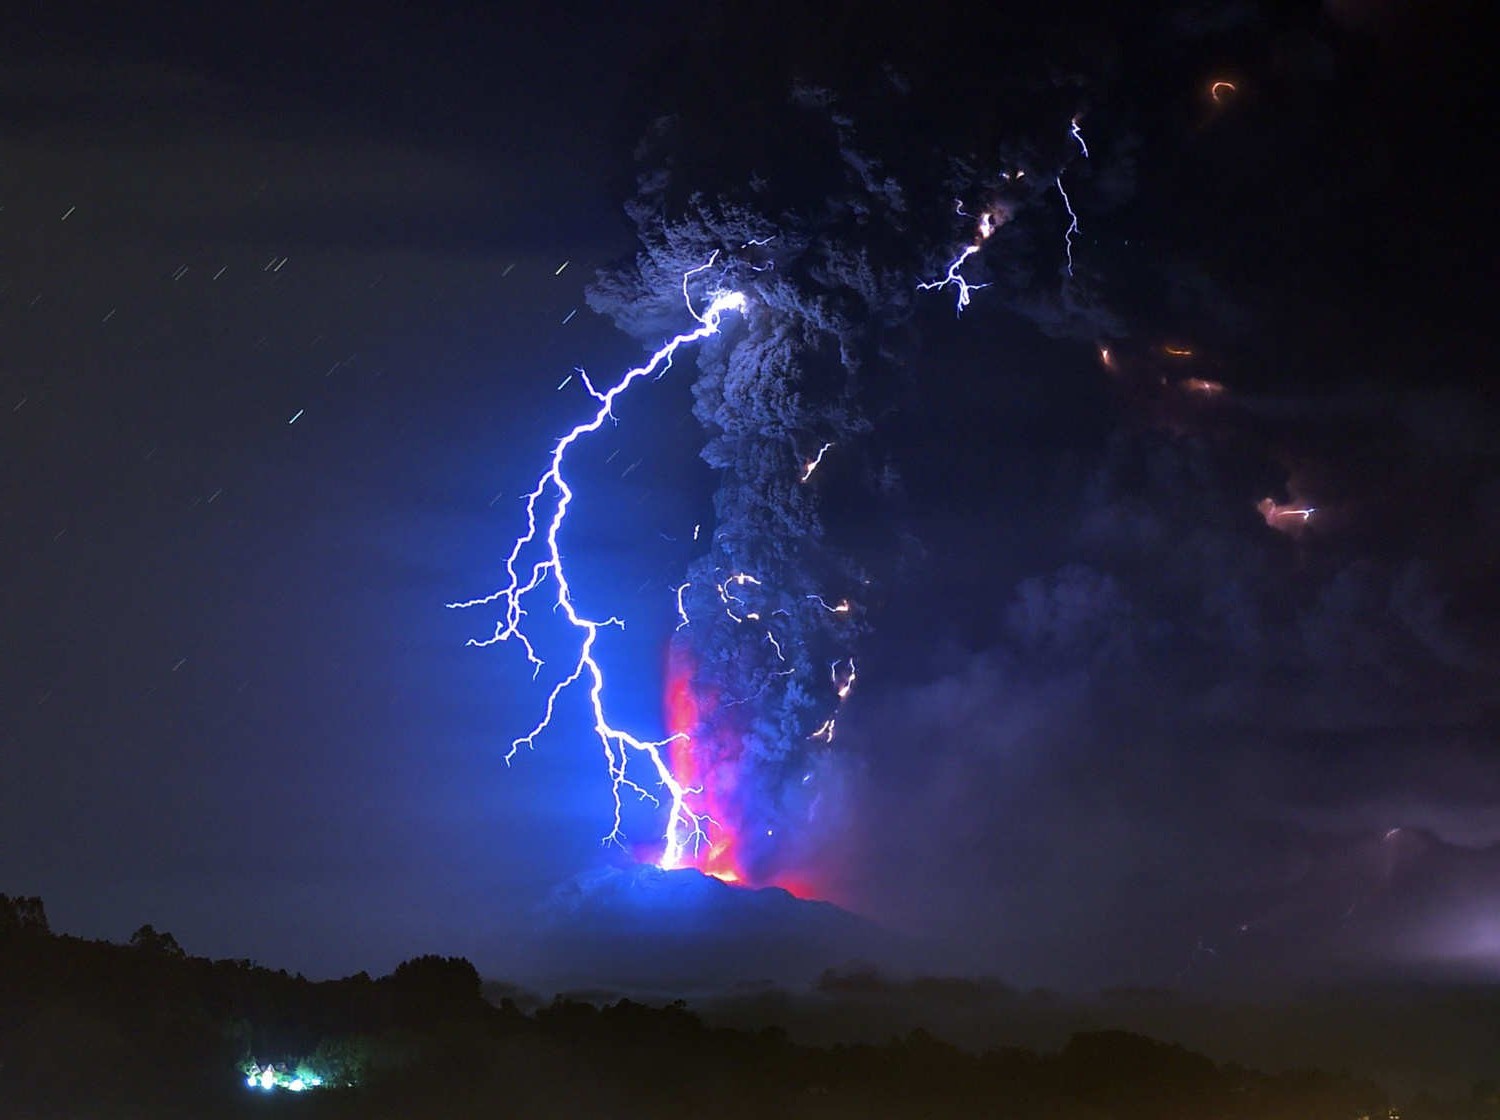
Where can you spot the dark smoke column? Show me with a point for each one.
(824, 240)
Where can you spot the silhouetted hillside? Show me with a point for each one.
(146, 1030)
(638, 929)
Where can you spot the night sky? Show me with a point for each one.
(286, 301)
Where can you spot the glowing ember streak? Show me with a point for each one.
(843, 686)
(1202, 388)
(1177, 351)
(1279, 516)
(739, 579)
(1221, 89)
(684, 825)
(1105, 358)
(1072, 223)
(813, 463)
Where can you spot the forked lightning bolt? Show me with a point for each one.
(684, 825)
(954, 276)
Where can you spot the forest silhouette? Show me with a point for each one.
(144, 1029)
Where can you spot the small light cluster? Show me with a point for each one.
(269, 1077)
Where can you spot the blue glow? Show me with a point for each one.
(684, 825)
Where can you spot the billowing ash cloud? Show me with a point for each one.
(829, 239)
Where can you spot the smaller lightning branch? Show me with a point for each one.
(843, 683)
(841, 607)
(988, 224)
(684, 825)
(824, 733)
(682, 614)
(726, 596)
(955, 276)
(1076, 134)
(813, 463)
(1072, 223)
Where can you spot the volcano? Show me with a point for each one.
(636, 929)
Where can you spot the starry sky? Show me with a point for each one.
(286, 305)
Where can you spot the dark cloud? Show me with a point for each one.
(1182, 671)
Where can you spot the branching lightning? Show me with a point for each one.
(989, 222)
(955, 276)
(684, 826)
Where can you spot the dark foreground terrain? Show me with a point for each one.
(91, 1028)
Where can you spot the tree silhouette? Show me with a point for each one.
(148, 940)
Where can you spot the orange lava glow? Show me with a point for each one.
(797, 887)
(692, 767)
(698, 765)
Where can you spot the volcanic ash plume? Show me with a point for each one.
(831, 263)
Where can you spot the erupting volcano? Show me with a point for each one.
(692, 761)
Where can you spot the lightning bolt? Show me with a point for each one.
(988, 224)
(841, 607)
(552, 492)
(1074, 132)
(813, 463)
(955, 276)
(1072, 225)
